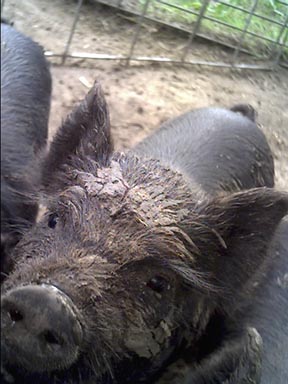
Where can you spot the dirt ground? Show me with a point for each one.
(142, 96)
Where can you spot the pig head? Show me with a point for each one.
(129, 263)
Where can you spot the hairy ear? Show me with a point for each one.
(85, 133)
(241, 227)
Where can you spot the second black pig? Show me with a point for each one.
(25, 104)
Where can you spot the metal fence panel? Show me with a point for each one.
(200, 19)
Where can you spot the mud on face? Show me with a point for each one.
(96, 244)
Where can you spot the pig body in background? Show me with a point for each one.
(269, 311)
(140, 258)
(216, 149)
(25, 104)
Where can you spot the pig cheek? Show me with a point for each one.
(148, 342)
(149, 331)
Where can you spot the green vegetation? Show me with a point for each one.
(272, 9)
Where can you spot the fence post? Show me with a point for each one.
(248, 21)
(277, 51)
(196, 28)
(137, 33)
(66, 50)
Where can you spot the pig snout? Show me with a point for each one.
(40, 328)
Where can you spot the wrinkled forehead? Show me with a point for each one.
(106, 182)
(118, 195)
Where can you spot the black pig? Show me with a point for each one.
(25, 104)
(269, 311)
(140, 255)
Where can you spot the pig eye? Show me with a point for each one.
(158, 284)
(53, 220)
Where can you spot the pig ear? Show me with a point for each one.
(242, 225)
(85, 133)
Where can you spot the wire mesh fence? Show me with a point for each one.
(254, 31)
(253, 27)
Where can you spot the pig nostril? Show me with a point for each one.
(15, 315)
(51, 338)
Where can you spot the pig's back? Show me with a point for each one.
(25, 99)
(216, 148)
